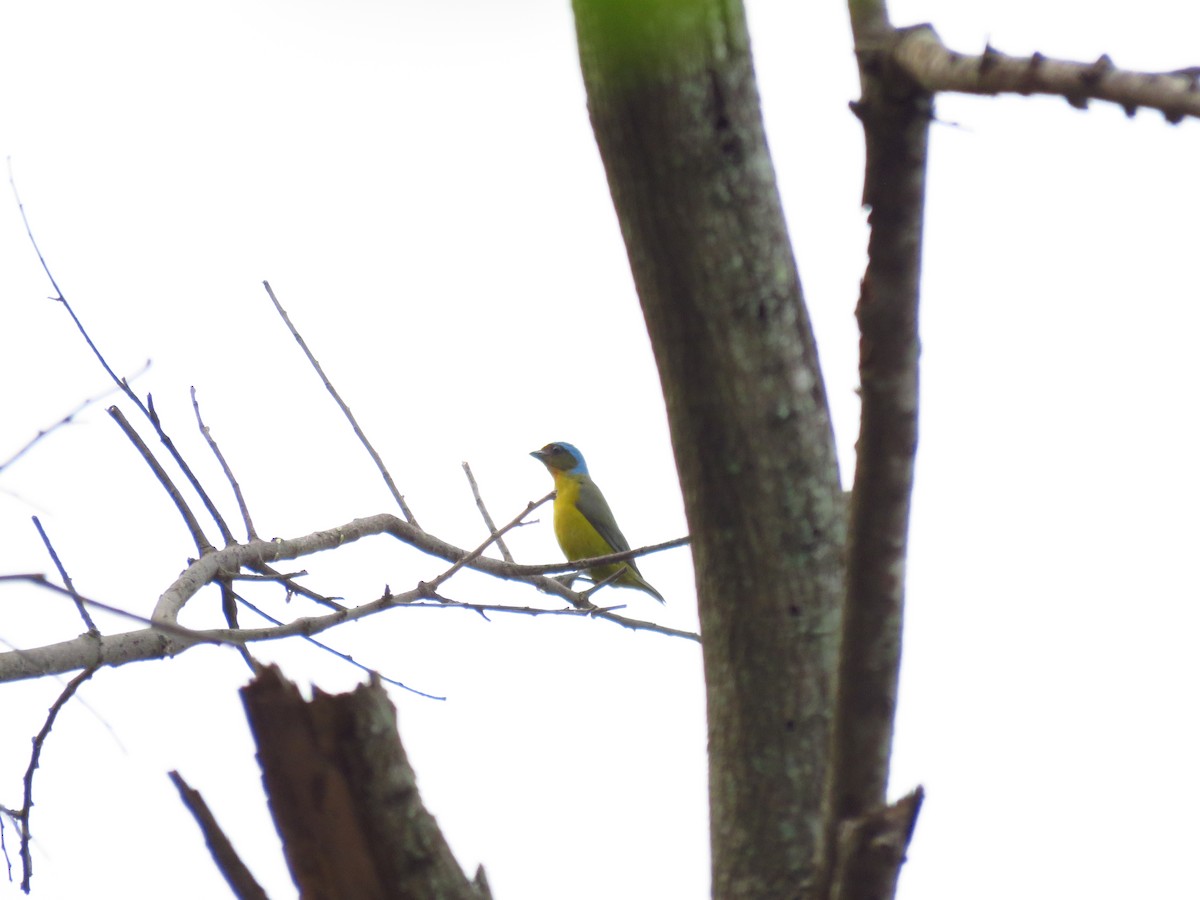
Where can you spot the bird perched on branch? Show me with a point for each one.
(583, 523)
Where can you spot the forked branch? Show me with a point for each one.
(167, 638)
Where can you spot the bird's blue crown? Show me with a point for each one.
(580, 466)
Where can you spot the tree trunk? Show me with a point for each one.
(676, 113)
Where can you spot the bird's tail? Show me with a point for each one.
(634, 578)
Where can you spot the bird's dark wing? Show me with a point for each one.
(595, 509)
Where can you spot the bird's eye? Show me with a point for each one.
(553, 448)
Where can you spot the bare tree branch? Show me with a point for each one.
(42, 581)
(189, 519)
(6, 813)
(375, 457)
(494, 536)
(241, 881)
(607, 613)
(923, 56)
(483, 511)
(163, 639)
(147, 409)
(895, 114)
(166, 637)
(67, 419)
(344, 657)
(62, 571)
(21, 817)
(233, 482)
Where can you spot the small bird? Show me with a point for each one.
(583, 523)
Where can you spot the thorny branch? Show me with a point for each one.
(922, 55)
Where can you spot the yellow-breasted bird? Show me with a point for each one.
(583, 523)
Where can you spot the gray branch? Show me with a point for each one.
(921, 53)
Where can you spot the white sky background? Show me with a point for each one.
(420, 184)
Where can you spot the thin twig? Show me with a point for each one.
(299, 590)
(45, 268)
(263, 572)
(241, 881)
(168, 628)
(345, 657)
(581, 565)
(278, 577)
(233, 482)
(493, 537)
(62, 570)
(68, 419)
(228, 597)
(604, 582)
(38, 742)
(387, 478)
(147, 409)
(483, 511)
(202, 543)
(6, 812)
(229, 602)
(606, 613)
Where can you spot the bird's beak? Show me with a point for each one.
(539, 455)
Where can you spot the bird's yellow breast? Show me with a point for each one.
(576, 536)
